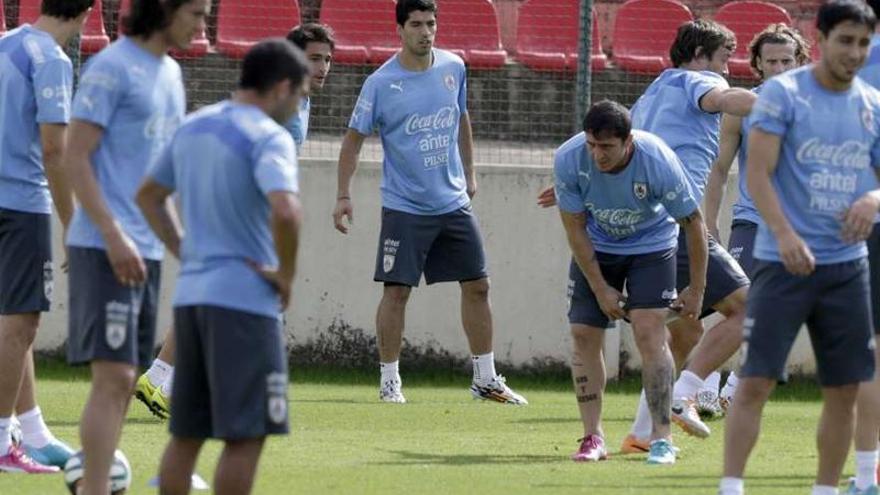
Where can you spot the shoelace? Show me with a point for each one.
(388, 387)
(590, 442)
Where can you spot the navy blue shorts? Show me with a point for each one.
(26, 280)
(649, 280)
(874, 263)
(446, 248)
(107, 320)
(742, 244)
(231, 377)
(723, 275)
(835, 303)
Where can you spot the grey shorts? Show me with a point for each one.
(874, 264)
(107, 320)
(742, 244)
(230, 381)
(835, 303)
(649, 280)
(446, 248)
(723, 275)
(26, 280)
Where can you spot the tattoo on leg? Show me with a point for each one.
(580, 379)
(587, 398)
(658, 389)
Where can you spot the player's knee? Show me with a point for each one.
(20, 329)
(476, 289)
(734, 305)
(753, 391)
(114, 384)
(397, 295)
(587, 342)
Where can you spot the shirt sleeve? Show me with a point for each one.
(772, 112)
(363, 118)
(672, 188)
(462, 92)
(53, 87)
(698, 84)
(100, 92)
(162, 169)
(566, 185)
(276, 165)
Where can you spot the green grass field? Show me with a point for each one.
(344, 441)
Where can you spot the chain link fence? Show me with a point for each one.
(522, 57)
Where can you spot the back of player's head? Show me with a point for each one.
(65, 9)
(404, 7)
(148, 16)
(272, 61)
(608, 119)
(834, 12)
(779, 34)
(875, 6)
(699, 38)
(311, 32)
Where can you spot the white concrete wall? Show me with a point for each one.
(528, 261)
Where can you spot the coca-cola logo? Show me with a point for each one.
(850, 154)
(442, 119)
(616, 216)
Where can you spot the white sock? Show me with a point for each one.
(731, 486)
(484, 367)
(34, 431)
(5, 439)
(167, 384)
(824, 490)
(158, 372)
(390, 371)
(643, 426)
(687, 386)
(866, 469)
(730, 385)
(712, 383)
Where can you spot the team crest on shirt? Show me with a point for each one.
(48, 280)
(449, 81)
(868, 120)
(640, 190)
(116, 316)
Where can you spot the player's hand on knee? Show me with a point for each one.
(343, 209)
(796, 255)
(547, 197)
(859, 219)
(127, 264)
(689, 303)
(611, 302)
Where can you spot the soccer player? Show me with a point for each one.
(620, 194)
(130, 100)
(776, 49)
(683, 106)
(316, 40)
(418, 101)
(814, 151)
(36, 84)
(234, 168)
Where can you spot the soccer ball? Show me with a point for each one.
(15, 432)
(120, 473)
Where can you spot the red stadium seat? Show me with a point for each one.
(643, 32)
(240, 24)
(198, 47)
(470, 29)
(548, 35)
(93, 38)
(2, 20)
(746, 19)
(365, 30)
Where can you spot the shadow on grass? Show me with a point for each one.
(415, 458)
(567, 419)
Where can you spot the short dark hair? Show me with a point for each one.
(834, 12)
(779, 34)
(271, 61)
(148, 16)
(65, 9)
(311, 32)
(701, 37)
(608, 118)
(875, 6)
(404, 7)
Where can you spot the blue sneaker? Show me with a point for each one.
(54, 453)
(852, 490)
(662, 452)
